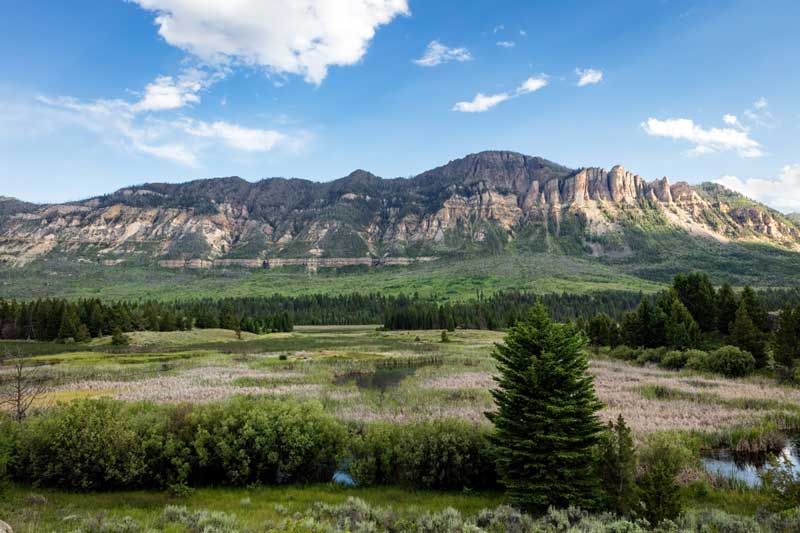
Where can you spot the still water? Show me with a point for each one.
(747, 469)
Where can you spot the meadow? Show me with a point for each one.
(362, 374)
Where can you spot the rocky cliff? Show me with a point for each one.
(486, 201)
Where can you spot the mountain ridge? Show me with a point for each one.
(488, 201)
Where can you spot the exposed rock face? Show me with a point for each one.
(355, 220)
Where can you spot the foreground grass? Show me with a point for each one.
(35, 510)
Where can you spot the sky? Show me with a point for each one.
(96, 95)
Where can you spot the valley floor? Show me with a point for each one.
(360, 373)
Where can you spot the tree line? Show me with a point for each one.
(693, 314)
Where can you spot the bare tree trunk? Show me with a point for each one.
(22, 387)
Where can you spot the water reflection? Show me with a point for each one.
(729, 465)
(381, 379)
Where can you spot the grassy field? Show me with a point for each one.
(361, 373)
(455, 279)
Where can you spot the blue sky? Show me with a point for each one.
(99, 94)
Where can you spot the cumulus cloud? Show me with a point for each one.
(302, 37)
(588, 76)
(506, 44)
(483, 102)
(167, 92)
(705, 140)
(782, 193)
(438, 53)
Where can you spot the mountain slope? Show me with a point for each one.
(487, 202)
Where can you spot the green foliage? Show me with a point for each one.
(83, 445)
(697, 294)
(727, 304)
(731, 362)
(786, 345)
(618, 464)
(746, 335)
(118, 338)
(546, 423)
(443, 454)
(781, 482)
(663, 459)
(604, 331)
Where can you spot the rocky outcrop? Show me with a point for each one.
(490, 198)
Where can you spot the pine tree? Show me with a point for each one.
(745, 335)
(787, 342)
(755, 308)
(697, 294)
(618, 468)
(726, 308)
(546, 423)
(680, 329)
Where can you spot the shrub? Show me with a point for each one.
(781, 483)
(650, 355)
(442, 454)
(8, 431)
(698, 360)
(625, 353)
(83, 445)
(662, 460)
(732, 362)
(247, 440)
(674, 360)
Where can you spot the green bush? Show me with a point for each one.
(698, 360)
(651, 355)
(246, 440)
(624, 353)
(662, 460)
(674, 360)
(83, 445)
(443, 454)
(732, 362)
(7, 438)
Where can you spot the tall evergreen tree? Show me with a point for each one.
(745, 335)
(755, 308)
(786, 344)
(697, 294)
(618, 468)
(727, 305)
(680, 329)
(546, 423)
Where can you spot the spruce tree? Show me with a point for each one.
(786, 345)
(697, 294)
(745, 335)
(618, 468)
(726, 308)
(755, 308)
(546, 423)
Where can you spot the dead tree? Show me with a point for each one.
(21, 385)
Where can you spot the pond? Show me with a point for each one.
(746, 469)
(381, 379)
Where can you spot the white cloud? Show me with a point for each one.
(247, 139)
(706, 141)
(483, 102)
(506, 44)
(303, 37)
(782, 193)
(760, 114)
(588, 76)
(731, 120)
(167, 92)
(498, 28)
(437, 53)
(523, 33)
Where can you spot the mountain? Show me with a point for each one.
(490, 202)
